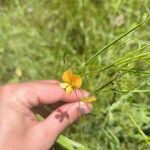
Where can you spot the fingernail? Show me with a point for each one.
(85, 108)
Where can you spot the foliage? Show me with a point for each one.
(40, 39)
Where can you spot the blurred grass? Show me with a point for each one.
(36, 37)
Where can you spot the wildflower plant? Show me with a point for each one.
(63, 40)
(73, 81)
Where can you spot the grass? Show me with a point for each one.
(41, 39)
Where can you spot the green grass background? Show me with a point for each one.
(37, 36)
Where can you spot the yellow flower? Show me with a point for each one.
(89, 99)
(71, 81)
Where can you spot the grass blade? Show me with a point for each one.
(125, 59)
(105, 85)
(139, 129)
(133, 91)
(113, 42)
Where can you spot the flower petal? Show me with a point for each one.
(76, 81)
(67, 76)
(69, 89)
(64, 85)
(89, 99)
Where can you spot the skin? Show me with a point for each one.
(19, 128)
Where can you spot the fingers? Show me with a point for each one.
(43, 92)
(46, 81)
(50, 128)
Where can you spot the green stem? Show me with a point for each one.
(137, 72)
(110, 44)
(106, 84)
(134, 57)
(118, 62)
(139, 129)
(132, 91)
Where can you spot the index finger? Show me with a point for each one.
(35, 93)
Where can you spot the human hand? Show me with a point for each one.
(19, 128)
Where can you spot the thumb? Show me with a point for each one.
(50, 128)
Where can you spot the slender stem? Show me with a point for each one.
(113, 42)
(139, 129)
(133, 91)
(134, 57)
(106, 84)
(138, 72)
(118, 62)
